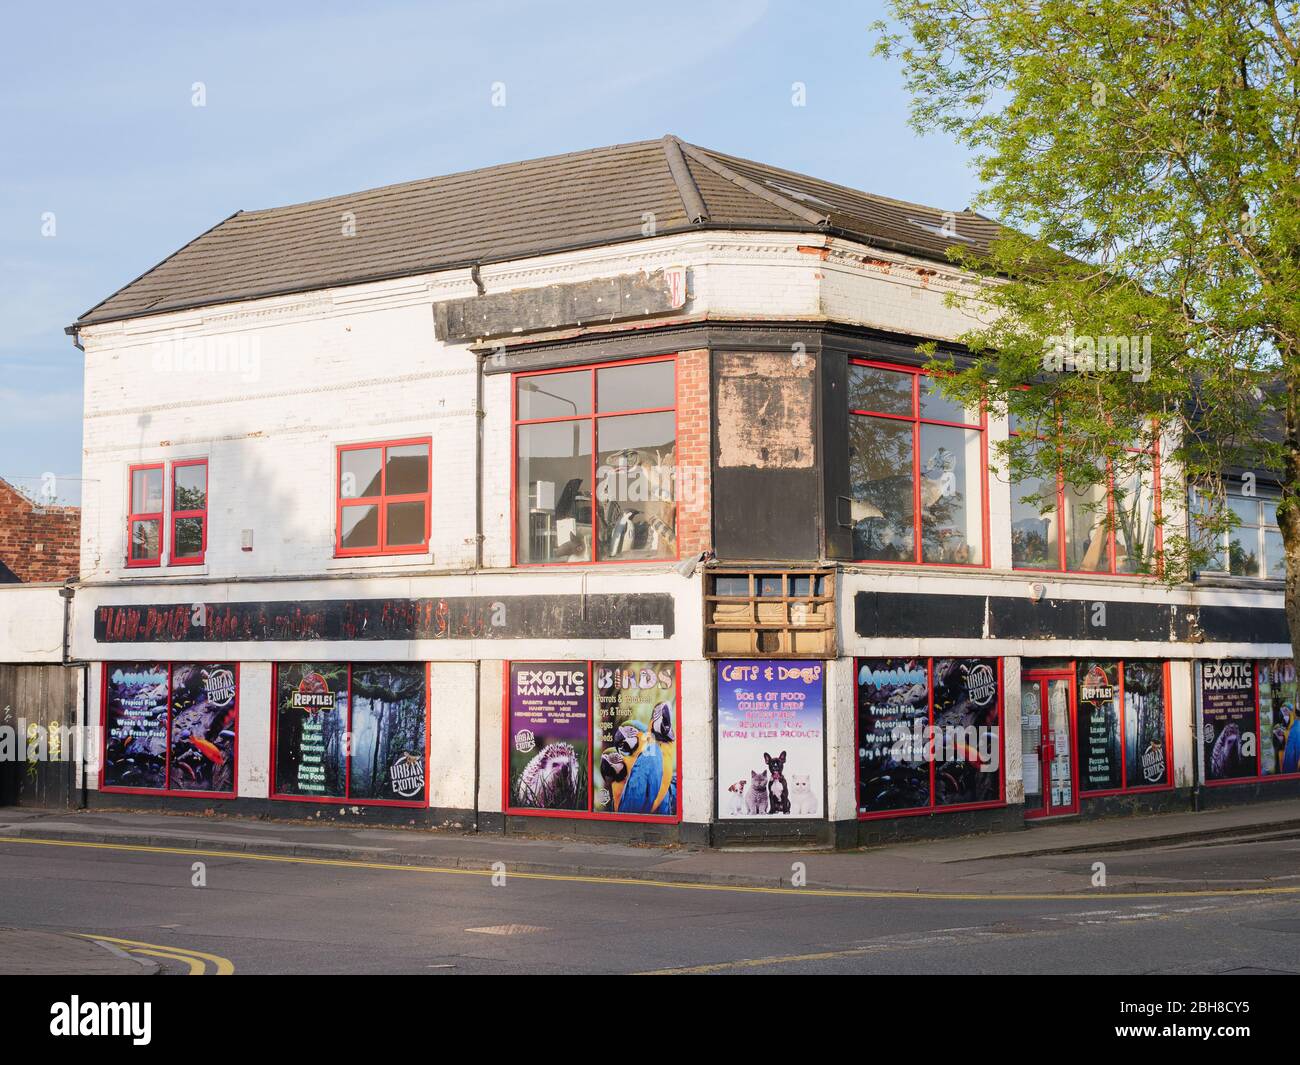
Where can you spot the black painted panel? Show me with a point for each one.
(765, 514)
(506, 617)
(908, 615)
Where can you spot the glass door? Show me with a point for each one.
(1047, 748)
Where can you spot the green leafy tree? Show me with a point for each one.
(1145, 157)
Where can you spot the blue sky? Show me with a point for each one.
(311, 100)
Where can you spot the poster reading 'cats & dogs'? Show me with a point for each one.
(771, 736)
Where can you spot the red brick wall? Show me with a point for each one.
(38, 544)
(695, 510)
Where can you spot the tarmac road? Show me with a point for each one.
(287, 915)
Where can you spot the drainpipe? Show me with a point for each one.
(66, 593)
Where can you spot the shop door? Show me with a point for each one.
(1047, 747)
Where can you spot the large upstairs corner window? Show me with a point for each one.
(383, 498)
(917, 469)
(596, 463)
(1105, 526)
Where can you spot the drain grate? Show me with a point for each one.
(508, 929)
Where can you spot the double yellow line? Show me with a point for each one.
(676, 885)
(196, 960)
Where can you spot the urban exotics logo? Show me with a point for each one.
(1153, 764)
(313, 694)
(981, 684)
(219, 686)
(407, 775)
(131, 1019)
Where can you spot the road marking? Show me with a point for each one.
(195, 959)
(618, 881)
(508, 929)
(197, 968)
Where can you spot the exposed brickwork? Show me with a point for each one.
(694, 518)
(37, 543)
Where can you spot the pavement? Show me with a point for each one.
(1157, 854)
(27, 952)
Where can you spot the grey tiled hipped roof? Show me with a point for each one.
(583, 199)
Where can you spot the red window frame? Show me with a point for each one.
(917, 421)
(1111, 553)
(167, 788)
(934, 807)
(1259, 776)
(1125, 788)
(133, 516)
(346, 798)
(593, 417)
(382, 501)
(202, 515)
(589, 814)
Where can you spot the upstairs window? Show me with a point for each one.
(1253, 547)
(176, 520)
(1108, 526)
(383, 498)
(189, 523)
(596, 464)
(917, 469)
(145, 517)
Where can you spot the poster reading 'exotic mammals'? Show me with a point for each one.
(549, 735)
(1145, 754)
(1228, 732)
(311, 719)
(893, 708)
(205, 718)
(135, 724)
(771, 737)
(634, 738)
(1100, 753)
(1279, 724)
(388, 732)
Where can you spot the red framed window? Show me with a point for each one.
(1124, 726)
(383, 498)
(592, 740)
(170, 727)
(1250, 722)
(595, 459)
(189, 515)
(144, 521)
(929, 735)
(350, 733)
(918, 470)
(1107, 527)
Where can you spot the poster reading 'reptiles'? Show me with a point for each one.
(548, 741)
(311, 719)
(771, 737)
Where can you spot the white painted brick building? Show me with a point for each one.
(271, 342)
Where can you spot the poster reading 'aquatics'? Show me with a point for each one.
(771, 739)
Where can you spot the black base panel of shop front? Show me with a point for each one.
(282, 810)
(1221, 795)
(1172, 801)
(876, 831)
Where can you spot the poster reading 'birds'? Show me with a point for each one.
(634, 741)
